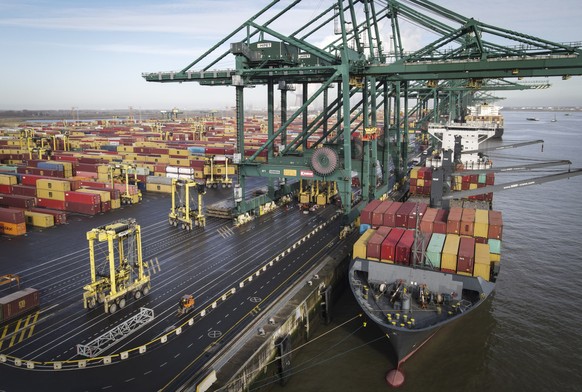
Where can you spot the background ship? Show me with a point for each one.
(486, 115)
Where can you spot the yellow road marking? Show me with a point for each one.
(3, 335)
(24, 328)
(33, 324)
(16, 329)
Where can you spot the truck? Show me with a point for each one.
(186, 304)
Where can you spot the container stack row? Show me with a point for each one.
(462, 241)
(45, 200)
(481, 224)
(449, 253)
(421, 182)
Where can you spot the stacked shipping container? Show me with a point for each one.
(466, 241)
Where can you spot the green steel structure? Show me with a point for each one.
(363, 87)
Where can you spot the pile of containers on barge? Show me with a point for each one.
(415, 269)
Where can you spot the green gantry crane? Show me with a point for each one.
(362, 89)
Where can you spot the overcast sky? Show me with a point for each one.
(59, 54)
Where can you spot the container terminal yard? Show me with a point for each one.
(151, 253)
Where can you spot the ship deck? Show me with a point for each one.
(422, 300)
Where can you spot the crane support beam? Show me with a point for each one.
(513, 185)
(503, 147)
(507, 169)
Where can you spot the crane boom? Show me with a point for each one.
(503, 147)
(513, 185)
(505, 169)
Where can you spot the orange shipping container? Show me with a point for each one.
(454, 220)
(12, 228)
(467, 222)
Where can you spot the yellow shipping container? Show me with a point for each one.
(102, 169)
(6, 179)
(472, 186)
(115, 204)
(224, 170)
(414, 172)
(482, 270)
(420, 182)
(179, 161)
(50, 194)
(482, 254)
(450, 252)
(481, 226)
(178, 151)
(362, 243)
(482, 260)
(105, 195)
(57, 185)
(159, 188)
(124, 148)
(38, 219)
(495, 258)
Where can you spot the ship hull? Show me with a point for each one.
(406, 339)
(498, 133)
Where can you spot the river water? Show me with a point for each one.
(528, 337)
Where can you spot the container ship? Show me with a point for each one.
(416, 269)
(486, 115)
(425, 262)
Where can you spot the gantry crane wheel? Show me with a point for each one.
(324, 161)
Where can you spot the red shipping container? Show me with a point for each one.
(196, 164)
(454, 220)
(404, 247)
(495, 230)
(93, 184)
(75, 184)
(105, 206)
(10, 215)
(84, 198)
(490, 179)
(30, 180)
(378, 213)
(7, 189)
(388, 251)
(60, 217)
(390, 214)
(419, 209)
(440, 222)
(374, 246)
(20, 302)
(87, 167)
(53, 204)
(17, 201)
(467, 222)
(401, 219)
(466, 255)
(427, 222)
(41, 172)
(427, 173)
(82, 208)
(366, 214)
(24, 190)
